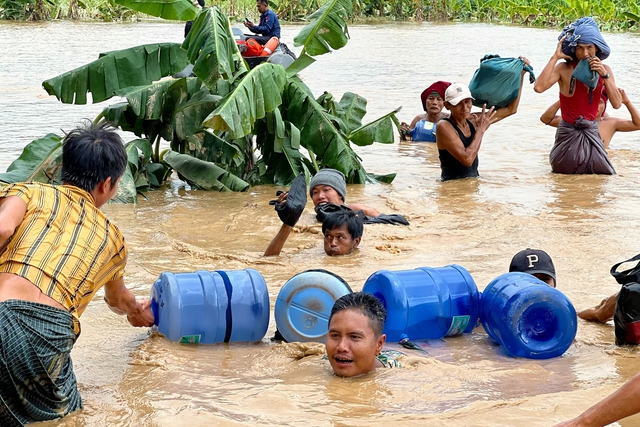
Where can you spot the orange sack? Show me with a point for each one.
(271, 45)
(253, 48)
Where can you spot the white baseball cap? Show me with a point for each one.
(456, 93)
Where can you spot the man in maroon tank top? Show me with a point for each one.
(578, 148)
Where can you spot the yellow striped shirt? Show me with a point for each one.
(65, 245)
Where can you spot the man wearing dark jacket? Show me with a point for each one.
(269, 25)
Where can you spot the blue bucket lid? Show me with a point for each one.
(304, 304)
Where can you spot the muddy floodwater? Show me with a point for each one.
(129, 377)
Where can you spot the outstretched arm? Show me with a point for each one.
(122, 301)
(512, 108)
(621, 404)
(367, 210)
(550, 73)
(12, 212)
(275, 247)
(549, 117)
(634, 123)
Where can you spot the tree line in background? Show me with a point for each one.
(612, 15)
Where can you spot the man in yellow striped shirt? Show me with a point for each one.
(56, 250)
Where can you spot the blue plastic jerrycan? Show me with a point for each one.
(304, 305)
(528, 317)
(426, 303)
(211, 306)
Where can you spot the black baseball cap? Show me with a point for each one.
(533, 261)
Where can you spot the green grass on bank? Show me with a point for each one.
(611, 15)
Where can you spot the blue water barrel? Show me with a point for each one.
(426, 303)
(211, 306)
(528, 317)
(304, 305)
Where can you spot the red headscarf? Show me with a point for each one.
(605, 97)
(440, 87)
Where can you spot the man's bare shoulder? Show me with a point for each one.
(564, 68)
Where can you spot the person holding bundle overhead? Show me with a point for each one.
(581, 78)
(459, 136)
(423, 126)
(607, 125)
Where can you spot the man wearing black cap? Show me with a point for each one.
(535, 262)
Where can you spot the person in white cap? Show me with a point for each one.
(459, 136)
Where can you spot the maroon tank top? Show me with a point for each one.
(578, 105)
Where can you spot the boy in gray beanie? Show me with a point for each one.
(326, 186)
(331, 177)
(330, 186)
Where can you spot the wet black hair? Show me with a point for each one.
(201, 3)
(368, 305)
(91, 154)
(353, 219)
(263, 2)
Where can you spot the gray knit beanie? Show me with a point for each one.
(332, 178)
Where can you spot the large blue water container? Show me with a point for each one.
(211, 306)
(528, 317)
(426, 303)
(304, 305)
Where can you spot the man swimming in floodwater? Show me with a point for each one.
(355, 339)
(536, 262)
(342, 232)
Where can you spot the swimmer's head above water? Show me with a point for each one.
(342, 231)
(355, 334)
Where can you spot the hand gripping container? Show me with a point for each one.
(426, 303)
(304, 304)
(528, 317)
(211, 306)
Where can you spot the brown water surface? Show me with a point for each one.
(587, 223)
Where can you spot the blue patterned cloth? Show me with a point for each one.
(585, 31)
(37, 382)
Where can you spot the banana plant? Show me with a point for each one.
(117, 70)
(217, 122)
(176, 10)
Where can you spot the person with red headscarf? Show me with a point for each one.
(607, 125)
(423, 126)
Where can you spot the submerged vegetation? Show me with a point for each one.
(228, 127)
(610, 14)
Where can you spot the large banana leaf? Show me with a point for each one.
(302, 62)
(328, 29)
(134, 179)
(203, 174)
(380, 130)
(187, 118)
(280, 166)
(40, 161)
(352, 109)
(177, 10)
(212, 49)
(105, 76)
(147, 101)
(259, 92)
(318, 133)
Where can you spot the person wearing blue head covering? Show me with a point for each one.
(581, 78)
